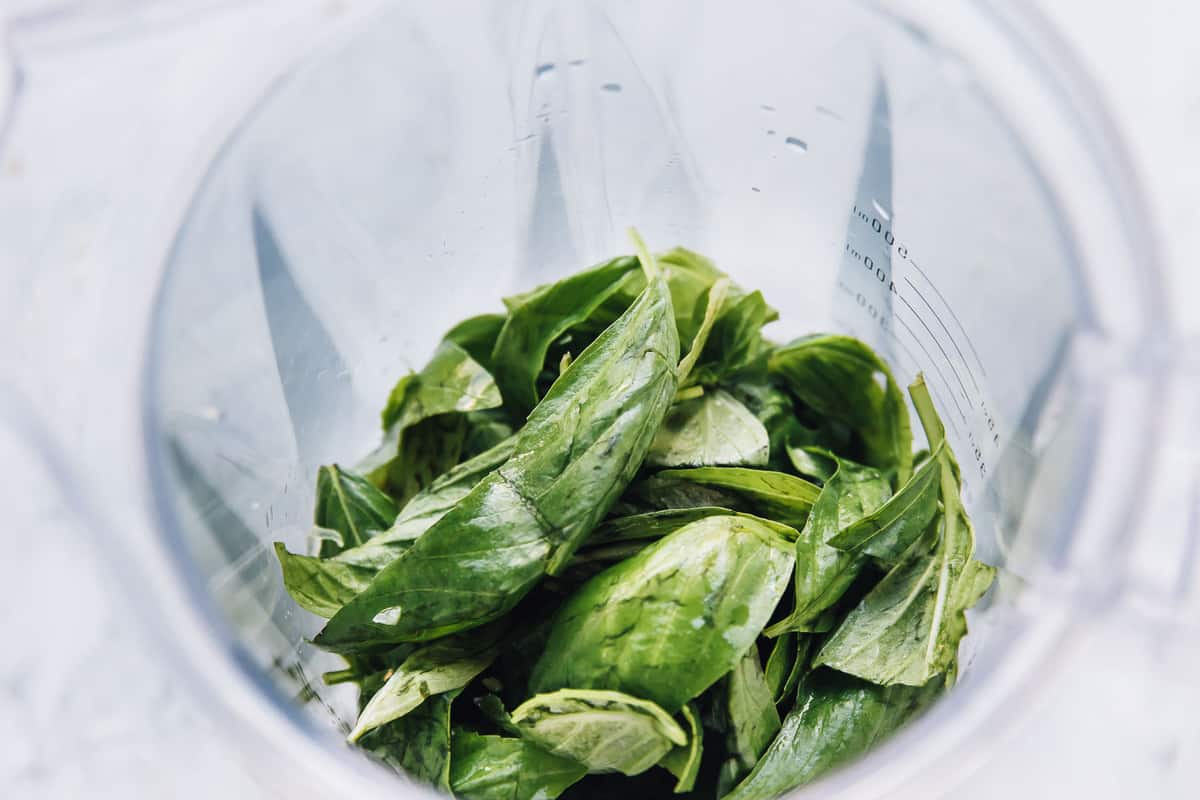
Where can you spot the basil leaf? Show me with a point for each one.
(650, 525)
(577, 452)
(503, 768)
(321, 586)
(436, 668)
(418, 744)
(836, 718)
(603, 730)
(539, 317)
(712, 430)
(888, 530)
(842, 379)
(485, 430)
(669, 622)
(352, 506)
(788, 660)
(736, 348)
(424, 427)
(684, 761)
(750, 708)
(776, 495)
(477, 335)
(823, 573)
(907, 629)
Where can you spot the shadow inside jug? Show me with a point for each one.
(434, 163)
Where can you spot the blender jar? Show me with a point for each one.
(938, 183)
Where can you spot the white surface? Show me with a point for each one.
(87, 711)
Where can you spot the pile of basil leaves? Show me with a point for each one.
(582, 564)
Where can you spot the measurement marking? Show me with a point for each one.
(961, 386)
(936, 368)
(949, 335)
(953, 316)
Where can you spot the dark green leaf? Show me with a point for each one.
(750, 707)
(736, 348)
(823, 573)
(907, 629)
(836, 718)
(352, 506)
(669, 622)
(502, 768)
(843, 379)
(605, 731)
(711, 430)
(650, 525)
(434, 669)
(684, 761)
(418, 744)
(539, 317)
(775, 495)
(577, 452)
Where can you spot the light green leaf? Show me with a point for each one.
(502, 768)
(712, 430)
(684, 761)
(321, 586)
(440, 667)
(477, 335)
(750, 708)
(669, 622)
(603, 730)
(576, 454)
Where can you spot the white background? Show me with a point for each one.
(86, 710)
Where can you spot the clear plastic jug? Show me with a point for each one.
(936, 181)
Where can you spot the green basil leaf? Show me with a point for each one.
(775, 495)
(349, 504)
(736, 349)
(836, 719)
(650, 525)
(419, 743)
(711, 430)
(485, 430)
(424, 424)
(841, 378)
(823, 573)
(603, 730)
(750, 708)
(907, 629)
(321, 586)
(887, 532)
(538, 318)
(684, 761)
(477, 335)
(434, 669)
(576, 454)
(503, 768)
(788, 659)
(669, 622)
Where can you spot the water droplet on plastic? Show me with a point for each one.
(770, 131)
(611, 87)
(883, 212)
(755, 189)
(543, 69)
(212, 413)
(799, 145)
(829, 112)
(577, 62)
(766, 107)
